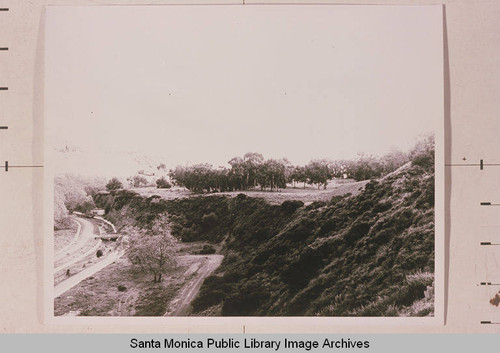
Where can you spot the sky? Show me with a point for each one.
(206, 83)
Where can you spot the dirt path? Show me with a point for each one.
(206, 264)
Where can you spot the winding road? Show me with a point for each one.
(83, 246)
(84, 235)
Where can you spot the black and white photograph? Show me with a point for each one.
(244, 161)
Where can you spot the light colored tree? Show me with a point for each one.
(153, 251)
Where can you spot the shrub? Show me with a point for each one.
(208, 221)
(358, 230)
(63, 223)
(85, 206)
(207, 299)
(99, 253)
(137, 181)
(207, 249)
(291, 206)
(122, 288)
(114, 184)
(315, 204)
(188, 235)
(162, 183)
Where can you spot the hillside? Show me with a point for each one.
(370, 254)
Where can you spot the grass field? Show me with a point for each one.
(306, 195)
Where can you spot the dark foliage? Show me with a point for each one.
(114, 184)
(162, 183)
(207, 249)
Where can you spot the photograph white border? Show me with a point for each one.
(258, 324)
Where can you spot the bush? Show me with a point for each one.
(137, 181)
(162, 183)
(315, 204)
(85, 206)
(425, 161)
(63, 223)
(99, 253)
(358, 230)
(208, 221)
(188, 235)
(291, 206)
(207, 249)
(114, 184)
(208, 299)
(122, 288)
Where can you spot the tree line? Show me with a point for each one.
(253, 171)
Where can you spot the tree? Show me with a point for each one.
(251, 162)
(114, 184)
(85, 206)
(237, 172)
(162, 183)
(153, 254)
(423, 152)
(137, 181)
(272, 173)
(318, 172)
(153, 250)
(393, 160)
(60, 210)
(298, 175)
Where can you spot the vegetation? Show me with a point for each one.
(162, 183)
(114, 184)
(371, 254)
(137, 181)
(252, 170)
(207, 249)
(152, 251)
(364, 255)
(73, 193)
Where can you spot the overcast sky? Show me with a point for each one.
(206, 83)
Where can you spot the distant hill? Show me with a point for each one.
(107, 164)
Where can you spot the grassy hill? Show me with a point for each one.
(370, 254)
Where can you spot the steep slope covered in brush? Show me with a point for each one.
(365, 255)
(369, 255)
